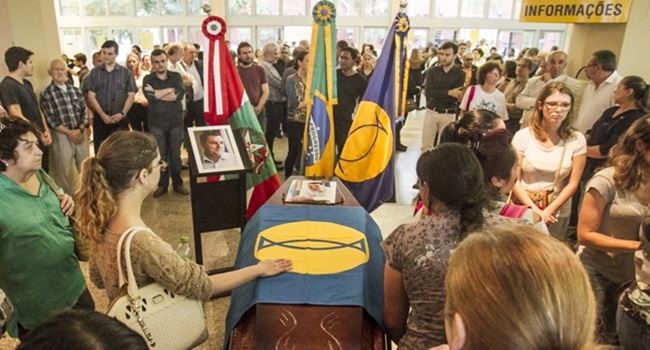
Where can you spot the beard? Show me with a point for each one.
(246, 62)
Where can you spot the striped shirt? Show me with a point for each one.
(108, 86)
(63, 107)
(275, 81)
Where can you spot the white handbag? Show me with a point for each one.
(165, 319)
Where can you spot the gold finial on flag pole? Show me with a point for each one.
(207, 9)
(403, 4)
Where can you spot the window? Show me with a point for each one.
(351, 35)
(145, 8)
(419, 38)
(267, 35)
(447, 8)
(238, 35)
(171, 7)
(348, 7)
(72, 41)
(375, 37)
(293, 7)
(267, 7)
(69, 8)
(148, 37)
(295, 34)
(529, 39)
(119, 7)
(441, 36)
(376, 8)
(95, 8)
(549, 39)
(196, 35)
(240, 7)
(172, 35)
(195, 7)
(420, 8)
(517, 8)
(124, 38)
(501, 9)
(472, 8)
(96, 37)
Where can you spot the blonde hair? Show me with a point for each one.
(537, 121)
(119, 161)
(517, 288)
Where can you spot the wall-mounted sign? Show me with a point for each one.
(575, 11)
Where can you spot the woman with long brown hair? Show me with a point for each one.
(616, 202)
(114, 184)
(552, 157)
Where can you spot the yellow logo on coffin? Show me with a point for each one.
(315, 248)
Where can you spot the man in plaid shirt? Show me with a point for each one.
(65, 111)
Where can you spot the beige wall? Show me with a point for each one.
(32, 25)
(627, 41)
(219, 8)
(588, 38)
(635, 49)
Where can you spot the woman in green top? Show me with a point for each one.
(39, 271)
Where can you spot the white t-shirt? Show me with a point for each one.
(495, 101)
(540, 164)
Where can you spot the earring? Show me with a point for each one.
(146, 182)
(6, 164)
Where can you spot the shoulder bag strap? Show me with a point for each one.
(471, 96)
(125, 239)
(50, 183)
(559, 168)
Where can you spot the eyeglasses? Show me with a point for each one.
(163, 165)
(556, 105)
(591, 65)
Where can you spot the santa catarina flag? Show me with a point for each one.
(366, 165)
(226, 102)
(320, 94)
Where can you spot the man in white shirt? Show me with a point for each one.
(556, 63)
(215, 155)
(599, 93)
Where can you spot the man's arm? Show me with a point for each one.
(94, 105)
(273, 77)
(525, 100)
(16, 111)
(152, 95)
(263, 98)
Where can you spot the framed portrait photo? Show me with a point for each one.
(215, 149)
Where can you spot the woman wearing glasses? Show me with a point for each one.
(552, 157)
(114, 184)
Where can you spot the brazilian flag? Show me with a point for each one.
(320, 95)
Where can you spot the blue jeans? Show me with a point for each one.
(633, 334)
(169, 145)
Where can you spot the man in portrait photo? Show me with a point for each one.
(215, 154)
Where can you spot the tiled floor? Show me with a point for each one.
(169, 216)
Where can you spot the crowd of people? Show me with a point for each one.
(509, 153)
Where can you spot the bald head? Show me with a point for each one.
(58, 70)
(556, 62)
